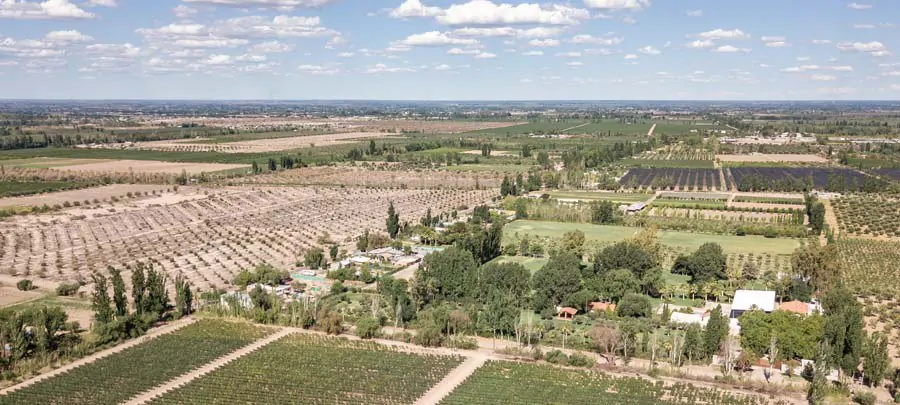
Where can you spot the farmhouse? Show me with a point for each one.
(636, 207)
(566, 312)
(745, 300)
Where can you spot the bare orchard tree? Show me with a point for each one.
(607, 339)
(773, 355)
(729, 355)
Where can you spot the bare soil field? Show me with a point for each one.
(767, 157)
(102, 193)
(44, 162)
(499, 153)
(9, 295)
(150, 166)
(210, 239)
(389, 177)
(255, 146)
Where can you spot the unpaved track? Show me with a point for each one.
(210, 367)
(451, 381)
(101, 354)
(650, 132)
(575, 127)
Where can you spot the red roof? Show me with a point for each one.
(568, 310)
(796, 307)
(603, 306)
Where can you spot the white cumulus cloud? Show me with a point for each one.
(485, 12)
(723, 34)
(45, 10)
(617, 4)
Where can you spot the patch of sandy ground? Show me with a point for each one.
(775, 157)
(151, 166)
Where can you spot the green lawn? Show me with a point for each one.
(533, 264)
(675, 239)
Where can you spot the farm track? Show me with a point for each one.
(456, 377)
(172, 327)
(208, 368)
(831, 220)
(650, 132)
(575, 127)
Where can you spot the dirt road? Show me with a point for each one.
(650, 132)
(452, 380)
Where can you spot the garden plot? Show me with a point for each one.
(766, 157)
(354, 176)
(150, 166)
(209, 240)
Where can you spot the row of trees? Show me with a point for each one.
(113, 318)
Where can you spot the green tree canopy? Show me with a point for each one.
(447, 275)
(843, 328)
(559, 278)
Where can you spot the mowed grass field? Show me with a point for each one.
(600, 196)
(675, 239)
(533, 264)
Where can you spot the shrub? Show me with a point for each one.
(864, 398)
(25, 285)
(580, 360)
(368, 327)
(461, 342)
(770, 232)
(66, 290)
(556, 357)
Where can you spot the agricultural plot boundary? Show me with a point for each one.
(172, 327)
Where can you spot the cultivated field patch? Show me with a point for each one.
(47, 163)
(254, 146)
(118, 377)
(772, 157)
(387, 177)
(682, 240)
(312, 369)
(521, 383)
(101, 193)
(150, 166)
(209, 240)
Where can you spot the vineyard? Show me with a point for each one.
(673, 179)
(799, 179)
(120, 376)
(502, 382)
(209, 236)
(753, 179)
(313, 369)
(870, 214)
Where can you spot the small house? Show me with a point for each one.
(745, 300)
(566, 313)
(636, 207)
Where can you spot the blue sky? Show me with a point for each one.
(450, 49)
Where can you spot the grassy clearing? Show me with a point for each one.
(18, 188)
(675, 239)
(533, 264)
(601, 196)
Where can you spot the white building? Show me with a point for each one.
(745, 300)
